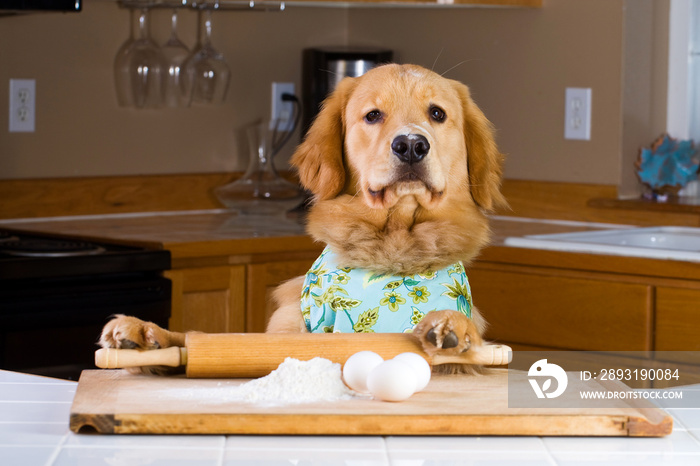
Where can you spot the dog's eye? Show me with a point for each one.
(437, 114)
(373, 117)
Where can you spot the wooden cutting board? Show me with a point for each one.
(116, 402)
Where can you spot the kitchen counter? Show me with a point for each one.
(185, 233)
(34, 414)
(193, 236)
(173, 230)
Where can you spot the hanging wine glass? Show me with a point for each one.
(147, 67)
(175, 53)
(122, 68)
(207, 72)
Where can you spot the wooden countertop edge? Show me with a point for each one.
(590, 262)
(182, 249)
(673, 205)
(195, 249)
(242, 246)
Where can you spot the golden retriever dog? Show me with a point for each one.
(403, 168)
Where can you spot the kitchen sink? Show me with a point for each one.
(677, 243)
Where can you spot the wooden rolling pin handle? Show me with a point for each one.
(110, 358)
(500, 355)
(487, 355)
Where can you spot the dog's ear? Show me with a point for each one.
(484, 161)
(319, 159)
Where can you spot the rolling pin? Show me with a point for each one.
(250, 355)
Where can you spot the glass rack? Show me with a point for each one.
(223, 5)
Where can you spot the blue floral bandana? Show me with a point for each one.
(345, 300)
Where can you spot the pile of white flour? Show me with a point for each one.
(292, 382)
(297, 381)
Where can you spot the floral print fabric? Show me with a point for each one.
(341, 299)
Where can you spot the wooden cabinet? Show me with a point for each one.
(208, 299)
(539, 300)
(526, 306)
(542, 308)
(233, 298)
(569, 300)
(678, 324)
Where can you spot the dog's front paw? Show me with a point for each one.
(126, 332)
(447, 333)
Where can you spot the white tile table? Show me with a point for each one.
(34, 414)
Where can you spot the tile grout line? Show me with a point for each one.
(32, 422)
(695, 436)
(137, 446)
(548, 452)
(67, 383)
(387, 457)
(222, 451)
(57, 450)
(34, 402)
(677, 419)
(340, 450)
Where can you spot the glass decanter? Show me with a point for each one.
(261, 190)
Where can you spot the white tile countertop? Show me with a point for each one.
(34, 413)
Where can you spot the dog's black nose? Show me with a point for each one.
(410, 148)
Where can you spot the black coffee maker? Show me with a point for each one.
(323, 68)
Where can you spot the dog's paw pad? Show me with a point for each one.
(126, 344)
(449, 340)
(446, 332)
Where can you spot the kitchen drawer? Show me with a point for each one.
(542, 309)
(208, 299)
(678, 322)
(262, 281)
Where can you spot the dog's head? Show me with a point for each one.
(401, 131)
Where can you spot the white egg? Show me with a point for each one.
(357, 368)
(392, 381)
(419, 365)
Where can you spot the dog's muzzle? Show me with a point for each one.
(410, 148)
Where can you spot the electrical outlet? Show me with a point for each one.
(282, 111)
(578, 113)
(22, 105)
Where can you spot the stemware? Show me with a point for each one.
(147, 67)
(122, 68)
(206, 71)
(175, 53)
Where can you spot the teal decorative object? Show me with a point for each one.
(668, 165)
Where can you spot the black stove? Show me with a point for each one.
(24, 255)
(42, 247)
(56, 294)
